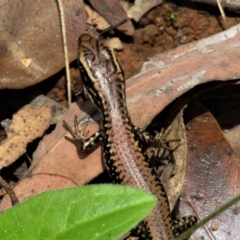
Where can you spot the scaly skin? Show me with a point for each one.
(122, 154)
(122, 142)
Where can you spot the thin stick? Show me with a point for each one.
(9, 190)
(62, 22)
(222, 13)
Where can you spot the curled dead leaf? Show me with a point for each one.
(27, 124)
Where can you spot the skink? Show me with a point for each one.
(122, 142)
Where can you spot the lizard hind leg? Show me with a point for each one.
(182, 224)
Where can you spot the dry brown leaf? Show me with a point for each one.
(175, 184)
(212, 176)
(169, 164)
(33, 29)
(27, 124)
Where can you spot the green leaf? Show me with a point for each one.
(96, 212)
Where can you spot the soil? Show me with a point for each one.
(167, 26)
